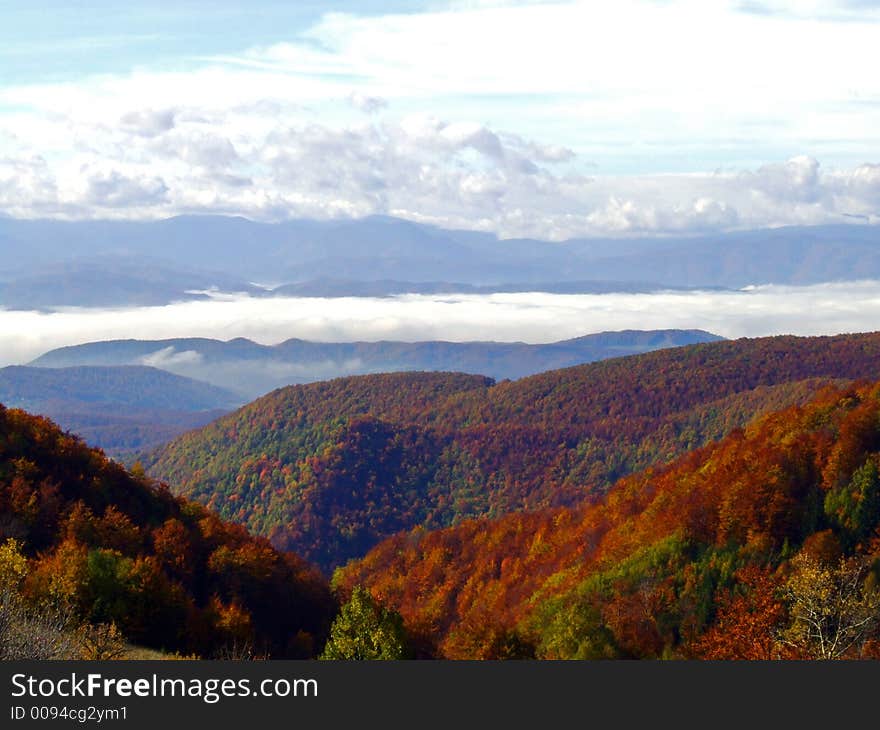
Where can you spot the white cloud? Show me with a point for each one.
(501, 108)
(116, 190)
(450, 173)
(148, 122)
(366, 103)
(841, 10)
(530, 317)
(168, 358)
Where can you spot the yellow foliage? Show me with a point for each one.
(13, 565)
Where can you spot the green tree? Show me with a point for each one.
(364, 629)
(855, 507)
(109, 586)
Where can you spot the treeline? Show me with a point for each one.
(330, 469)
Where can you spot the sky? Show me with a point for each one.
(540, 119)
(525, 317)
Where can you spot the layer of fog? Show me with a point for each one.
(252, 378)
(527, 317)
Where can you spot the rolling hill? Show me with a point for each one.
(254, 369)
(110, 546)
(730, 552)
(330, 469)
(122, 410)
(110, 281)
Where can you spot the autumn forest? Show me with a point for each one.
(714, 501)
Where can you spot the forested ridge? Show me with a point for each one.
(82, 538)
(133, 386)
(763, 545)
(330, 469)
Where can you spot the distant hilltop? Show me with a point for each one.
(252, 369)
(128, 263)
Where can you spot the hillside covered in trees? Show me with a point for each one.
(472, 537)
(330, 469)
(763, 545)
(87, 541)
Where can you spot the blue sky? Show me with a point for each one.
(56, 41)
(547, 119)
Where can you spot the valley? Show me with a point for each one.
(673, 504)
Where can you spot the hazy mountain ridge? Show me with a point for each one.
(254, 369)
(110, 281)
(795, 256)
(136, 262)
(123, 409)
(333, 287)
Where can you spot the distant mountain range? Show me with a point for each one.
(252, 369)
(328, 287)
(111, 281)
(123, 410)
(109, 263)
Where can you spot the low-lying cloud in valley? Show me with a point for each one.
(168, 358)
(529, 317)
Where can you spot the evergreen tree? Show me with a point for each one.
(856, 506)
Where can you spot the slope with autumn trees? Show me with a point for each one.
(763, 545)
(108, 547)
(330, 469)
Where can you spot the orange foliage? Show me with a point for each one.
(753, 497)
(330, 469)
(748, 620)
(115, 547)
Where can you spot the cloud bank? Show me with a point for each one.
(548, 120)
(529, 317)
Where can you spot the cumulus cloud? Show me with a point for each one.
(421, 167)
(27, 184)
(148, 122)
(797, 179)
(273, 132)
(200, 148)
(366, 103)
(530, 317)
(116, 190)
